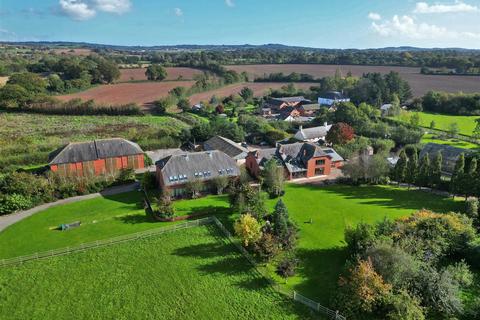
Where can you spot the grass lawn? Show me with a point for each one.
(320, 247)
(102, 218)
(427, 138)
(188, 274)
(466, 124)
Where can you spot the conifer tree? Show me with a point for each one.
(457, 176)
(424, 172)
(400, 170)
(412, 169)
(436, 171)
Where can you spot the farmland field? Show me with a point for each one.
(144, 93)
(188, 274)
(258, 89)
(466, 124)
(420, 83)
(138, 74)
(29, 138)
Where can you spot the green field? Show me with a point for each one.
(466, 124)
(431, 138)
(188, 274)
(27, 139)
(321, 244)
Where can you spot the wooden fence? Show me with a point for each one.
(194, 223)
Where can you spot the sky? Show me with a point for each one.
(313, 23)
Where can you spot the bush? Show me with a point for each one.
(149, 181)
(472, 208)
(14, 202)
(166, 210)
(248, 229)
(287, 267)
(266, 247)
(126, 175)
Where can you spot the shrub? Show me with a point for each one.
(266, 247)
(403, 306)
(166, 210)
(148, 181)
(472, 208)
(220, 183)
(14, 202)
(286, 268)
(248, 229)
(126, 175)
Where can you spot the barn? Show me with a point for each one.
(98, 157)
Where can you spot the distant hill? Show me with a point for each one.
(193, 47)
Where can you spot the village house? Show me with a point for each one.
(174, 172)
(98, 157)
(277, 104)
(300, 160)
(331, 98)
(232, 149)
(314, 134)
(309, 110)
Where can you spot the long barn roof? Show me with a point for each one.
(94, 150)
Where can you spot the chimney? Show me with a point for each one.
(210, 154)
(325, 124)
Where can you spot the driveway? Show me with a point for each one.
(8, 220)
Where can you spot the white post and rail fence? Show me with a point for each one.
(331, 314)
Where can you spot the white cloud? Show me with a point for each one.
(178, 12)
(230, 3)
(87, 9)
(408, 27)
(112, 6)
(423, 7)
(374, 16)
(77, 10)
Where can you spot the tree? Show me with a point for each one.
(423, 179)
(248, 229)
(156, 72)
(247, 94)
(476, 131)
(184, 104)
(470, 179)
(273, 178)
(14, 96)
(362, 290)
(456, 182)
(436, 170)
(220, 183)
(415, 119)
(282, 227)
(412, 168)
(193, 188)
(340, 134)
(403, 306)
(166, 210)
(453, 129)
(32, 82)
(433, 124)
(400, 170)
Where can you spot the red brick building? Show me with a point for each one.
(95, 158)
(300, 160)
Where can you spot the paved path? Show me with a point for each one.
(8, 220)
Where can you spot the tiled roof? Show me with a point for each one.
(94, 150)
(179, 169)
(227, 146)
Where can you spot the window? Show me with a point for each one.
(320, 162)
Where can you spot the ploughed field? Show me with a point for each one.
(187, 274)
(259, 89)
(420, 83)
(177, 73)
(144, 93)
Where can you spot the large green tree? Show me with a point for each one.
(156, 72)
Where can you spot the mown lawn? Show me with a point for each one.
(321, 243)
(431, 138)
(466, 124)
(101, 218)
(188, 274)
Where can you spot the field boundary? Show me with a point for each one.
(189, 224)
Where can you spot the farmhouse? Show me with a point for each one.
(98, 157)
(227, 146)
(277, 104)
(331, 98)
(176, 171)
(450, 155)
(314, 134)
(300, 160)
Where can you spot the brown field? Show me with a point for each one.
(258, 89)
(138, 74)
(420, 83)
(3, 81)
(73, 52)
(143, 93)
